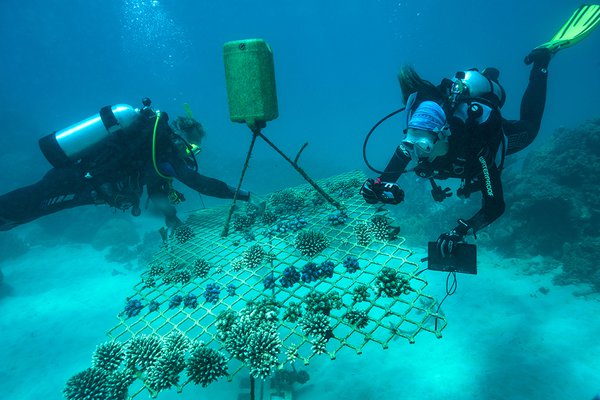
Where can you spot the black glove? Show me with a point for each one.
(539, 57)
(440, 194)
(446, 243)
(374, 191)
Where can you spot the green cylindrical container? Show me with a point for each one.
(250, 77)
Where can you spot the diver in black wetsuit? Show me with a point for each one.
(456, 130)
(108, 159)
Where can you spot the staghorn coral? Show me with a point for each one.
(252, 336)
(311, 243)
(108, 356)
(391, 283)
(118, 384)
(176, 341)
(382, 229)
(254, 257)
(176, 272)
(205, 365)
(183, 233)
(357, 318)
(90, 384)
(319, 345)
(269, 217)
(142, 351)
(316, 301)
(286, 201)
(243, 222)
(315, 324)
(164, 373)
(360, 293)
(364, 237)
(200, 268)
(293, 312)
(156, 269)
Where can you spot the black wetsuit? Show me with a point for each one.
(118, 180)
(479, 141)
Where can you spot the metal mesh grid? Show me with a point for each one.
(389, 317)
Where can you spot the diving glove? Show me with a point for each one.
(375, 191)
(447, 242)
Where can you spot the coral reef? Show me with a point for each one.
(175, 301)
(391, 283)
(190, 301)
(553, 207)
(183, 233)
(362, 230)
(293, 312)
(165, 372)
(357, 318)
(382, 228)
(290, 277)
(90, 384)
(310, 243)
(326, 269)
(319, 302)
(200, 268)
(133, 307)
(142, 351)
(251, 336)
(315, 324)
(108, 356)
(212, 293)
(176, 272)
(338, 218)
(290, 225)
(287, 201)
(360, 293)
(310, 272)
(351, 264)
(269, 281)
(153, 306)
(205, 365)
(243, 222)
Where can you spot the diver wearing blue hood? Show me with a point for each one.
(456, 130)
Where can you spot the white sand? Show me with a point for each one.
(504, 340)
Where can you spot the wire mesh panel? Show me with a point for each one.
(294, 279)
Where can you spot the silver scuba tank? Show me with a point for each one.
(67, 146)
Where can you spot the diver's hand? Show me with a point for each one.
(539, 57)
(440, 194)
(374, 191)
(447, 242)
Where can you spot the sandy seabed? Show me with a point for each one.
(505, 338)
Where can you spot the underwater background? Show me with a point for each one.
(525, 328)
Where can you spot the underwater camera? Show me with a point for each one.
(463, 259)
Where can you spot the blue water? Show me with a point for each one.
(336, 64)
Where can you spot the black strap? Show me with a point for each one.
(109, 120)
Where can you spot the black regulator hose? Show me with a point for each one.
(382, 120)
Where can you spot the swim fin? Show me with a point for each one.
(582, 23)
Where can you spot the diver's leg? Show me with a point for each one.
(522, 133)
(58, 190)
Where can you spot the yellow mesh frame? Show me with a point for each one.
(389, 318)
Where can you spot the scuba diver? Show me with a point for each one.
(456, 130)
(109, 158)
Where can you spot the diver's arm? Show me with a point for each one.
(397, 165)
(493, 198)
(204, 184)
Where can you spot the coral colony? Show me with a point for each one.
(249, 330)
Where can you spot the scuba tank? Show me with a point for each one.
(66, 146)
